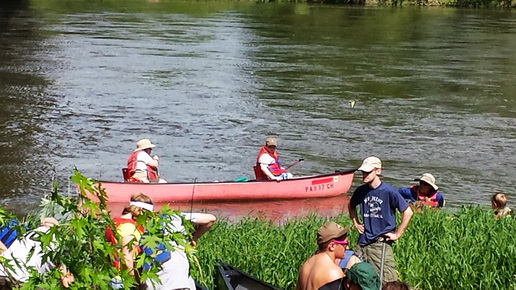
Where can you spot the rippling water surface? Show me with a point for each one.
(435, 92)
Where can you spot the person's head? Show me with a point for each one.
(498, 200)
(395, 285)
(362, 276)
(49, 222)
(145, 145)
(371, 169)
(271, 143)
(427, 184)
(139, 202)
(334, 238)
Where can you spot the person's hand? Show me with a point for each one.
(391, 236)
(278, 178)
(360, 227)
(67, 279)
(155, 157)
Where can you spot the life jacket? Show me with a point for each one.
(347, 256)
(132, 161)
(111, 237)
(423, 200)
(274, 168)
(8, 232)
(159, 255)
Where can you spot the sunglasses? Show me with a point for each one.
(344, 243)
(272, 147)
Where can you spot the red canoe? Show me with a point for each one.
(324, 185)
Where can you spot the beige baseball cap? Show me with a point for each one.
(329, 231)
(370, 163)
(271, 142)
(428, 178)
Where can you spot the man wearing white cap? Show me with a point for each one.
(378, 202)
(141, 166)
(424, 194)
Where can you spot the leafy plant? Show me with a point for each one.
(78, 241)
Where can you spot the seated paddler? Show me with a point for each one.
(424, 194)
(267, 163)
(141, 167)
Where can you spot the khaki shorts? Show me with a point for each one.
(372, 254)
(142, 176)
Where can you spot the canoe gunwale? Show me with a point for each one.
(323, 185)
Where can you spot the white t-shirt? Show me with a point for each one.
(175, 272)
(266, 159)
(142, 160)
(20, 250)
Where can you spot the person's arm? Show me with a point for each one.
(267, 172)
(148, 160)
(203, 222)
(405, 219)
(154, 162)
(129, 251)
(265, 160)
(299, 284)
(354, 218)
(440, 199)
(352, 261)
(406, 193)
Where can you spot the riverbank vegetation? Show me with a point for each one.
(468, 249)
(214, 6)
(443, 3)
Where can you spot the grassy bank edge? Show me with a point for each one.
(468, 249)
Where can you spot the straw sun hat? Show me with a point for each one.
(144, 144)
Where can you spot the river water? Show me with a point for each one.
(80, 82)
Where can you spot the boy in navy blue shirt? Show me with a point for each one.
(378, 203)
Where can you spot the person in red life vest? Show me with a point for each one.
(129, 232)
(267, 163)
(424, 194)
(141, 166)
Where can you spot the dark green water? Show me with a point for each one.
(82, 81)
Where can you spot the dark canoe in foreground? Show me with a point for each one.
(230, 278)
(323, 185)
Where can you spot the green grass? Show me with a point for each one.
(467, 249)
(439, 250)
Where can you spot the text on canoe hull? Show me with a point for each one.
(319, 187)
